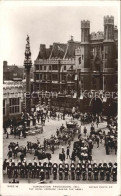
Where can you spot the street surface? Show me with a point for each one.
(98, 154)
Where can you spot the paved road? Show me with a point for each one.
(50, 127)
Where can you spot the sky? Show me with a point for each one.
(45, 25)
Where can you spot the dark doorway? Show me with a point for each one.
(96, 106)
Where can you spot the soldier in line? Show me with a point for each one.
(72, 171)
(55, 166)
(84, 169)
(66, 171)
(60, 172)
(78, 172)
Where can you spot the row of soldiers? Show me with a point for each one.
(83, 170)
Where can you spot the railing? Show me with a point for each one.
(55, 61)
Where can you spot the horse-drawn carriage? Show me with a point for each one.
(72, 126)
(16, 149)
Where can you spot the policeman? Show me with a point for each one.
(9, 171)
(78, 172)
(108, 172)
(50, 167)
(72, 171)
(30, 168)
(19, 166)
(47, 173)
(60, 172)
(95, 171)
(42, 175)
(12, 167)
(114, 173)
(26, 169)
(66, 171)
(83, 172)
(44, 166)
(89, 172)
(33, 171)
(101, 169)
(22, 171)
(54, 171)
(105, 166)
(38, 169)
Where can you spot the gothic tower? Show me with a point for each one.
(108, 52)
(85, 53)
(108, 43)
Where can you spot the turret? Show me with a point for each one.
(85, 31)
(108, 28)
(5, 63)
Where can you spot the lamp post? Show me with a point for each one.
(27, 65)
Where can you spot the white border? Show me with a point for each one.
(24, 189)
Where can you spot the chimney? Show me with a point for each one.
(5, 63)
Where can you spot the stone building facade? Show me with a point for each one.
(72, 69)
(13, 99)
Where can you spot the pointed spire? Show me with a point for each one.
(27, 61)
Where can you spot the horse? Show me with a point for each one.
(18, 149)
(42, 155)
(12, 145)
(31, 146)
